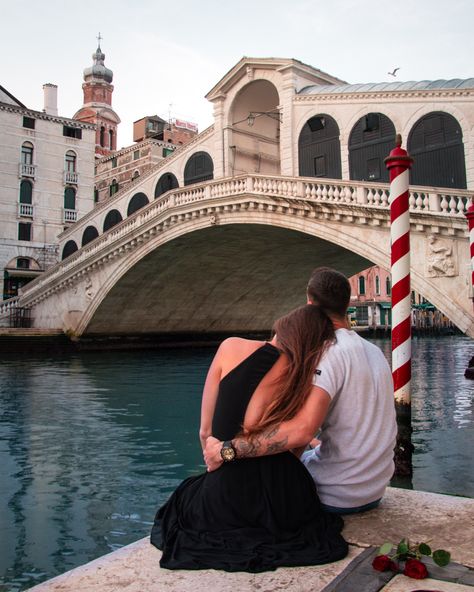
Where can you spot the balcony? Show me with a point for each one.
(69, 216)
(25, 210)
(27, 170)
(71, 178)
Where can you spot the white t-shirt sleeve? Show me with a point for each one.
(328, 374)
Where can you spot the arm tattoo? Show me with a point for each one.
(261, 444)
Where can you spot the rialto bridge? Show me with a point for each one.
(222, 235)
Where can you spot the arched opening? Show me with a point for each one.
(198, 169)
(27, 153)
(111, 140)
(138, 201)
(69, 198)
(435, 142)
(69, 248)
(254, 130)
(371, 140)
(319, 148)
(361, 285)
(70, 162)
(26, 192)
(166, 182)
(113, 217)
(102, 136)
(90, 233)
(114, 187)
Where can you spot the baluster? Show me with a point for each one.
(411, 201)
(452, 205)
(460, 207)
(319, 192)
(370, 196)
(324, 195)
(330, 192)
(314, 193)
(336, 193)
(419, 202)
(444, 204)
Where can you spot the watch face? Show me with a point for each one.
(227, 453)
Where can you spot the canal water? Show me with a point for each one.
(92, 443)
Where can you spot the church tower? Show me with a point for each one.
(97, 107)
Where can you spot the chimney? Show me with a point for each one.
(50, 99)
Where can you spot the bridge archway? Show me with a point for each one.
(69, 248)
(199, 168)
(254, 130)
(319, 148)
(370, 141)
(90, 233)
(113, 218)
(166, 182)
(436, 143)
(138, 201)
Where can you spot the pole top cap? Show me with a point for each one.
(398, 156)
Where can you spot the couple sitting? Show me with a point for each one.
(258, 506)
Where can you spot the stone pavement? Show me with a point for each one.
(443, 521)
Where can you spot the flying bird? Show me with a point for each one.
(394, 73)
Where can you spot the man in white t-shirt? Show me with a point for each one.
(351, 407)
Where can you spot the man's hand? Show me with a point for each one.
(212, 453)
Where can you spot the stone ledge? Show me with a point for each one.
(443, 520)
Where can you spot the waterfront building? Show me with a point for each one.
(97, 105)
(46, 184)
(371, 291)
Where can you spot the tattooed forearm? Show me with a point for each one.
(265, 443)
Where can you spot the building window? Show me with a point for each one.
(102, 136)
(70, 162)
(136, 174)
(114, 162)
(26, 192)
(69, 198)
(167, 151)
(27, 153)
(377, 285)
(96, 195)
(72, 132)
(136, 155)
(373, 169)
(24, 231)
(29, 122)
(114, 187)
(361, 285)
(23, 263)
(320, 166)
(111, 139)
(388, 286)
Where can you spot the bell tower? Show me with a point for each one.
(97, 106)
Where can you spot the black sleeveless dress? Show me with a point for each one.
(250, 515)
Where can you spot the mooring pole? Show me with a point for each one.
(398, 163)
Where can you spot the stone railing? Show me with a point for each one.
(71, 178)
(6, 306)
(27, 170)
(69, 216)
(332, 193)
(25, 210)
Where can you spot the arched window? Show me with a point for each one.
(388, 286)
(319, 149)
(111, 139)
(361, 285)
(135, 175)
(96, 195)
(370, 141)
(165, 183)
(69, 198)
(70, 162)
(377, 285)
(114, 187)
(198, 168)
(102, 136)
(26, 192)
(90, 233)
(113, 217)
(436, 144)
(27, 153)
(139, 200)
(69, 248)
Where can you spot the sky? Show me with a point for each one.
(166, 55)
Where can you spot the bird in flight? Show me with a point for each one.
(394, 73)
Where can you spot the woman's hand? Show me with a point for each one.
(212, 453)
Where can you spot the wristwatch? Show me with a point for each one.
(228, 451)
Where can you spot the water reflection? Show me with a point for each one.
(91, 444)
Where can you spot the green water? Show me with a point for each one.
(91, 444)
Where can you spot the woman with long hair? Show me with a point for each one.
(254, 514)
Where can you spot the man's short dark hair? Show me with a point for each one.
(330, 289)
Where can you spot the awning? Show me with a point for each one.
(386, 305)
(22, 272)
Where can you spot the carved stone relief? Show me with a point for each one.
(440, 257)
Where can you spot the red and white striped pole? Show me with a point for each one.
(470, 219)
(398, 164)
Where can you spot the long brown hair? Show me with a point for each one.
(302, 335)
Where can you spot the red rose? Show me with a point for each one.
(381, 563)
(415, 569)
